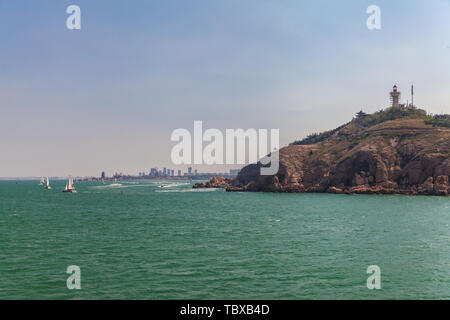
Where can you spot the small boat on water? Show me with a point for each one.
(103, 181)
(41, 183)
(47, 184)
(69, 186)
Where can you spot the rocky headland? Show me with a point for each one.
(393, 151)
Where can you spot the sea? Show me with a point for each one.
(165, 240)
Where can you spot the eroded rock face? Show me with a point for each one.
(413, 161)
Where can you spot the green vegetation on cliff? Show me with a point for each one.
(318, 137)
(380, 117)
(440, 120)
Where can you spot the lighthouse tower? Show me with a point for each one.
(395, 97)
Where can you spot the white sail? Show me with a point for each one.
(48, 182)
(69, 186)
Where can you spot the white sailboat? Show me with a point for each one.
(69, 186)
(47, 184)
(41, 183)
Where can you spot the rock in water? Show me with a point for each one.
(215, 182)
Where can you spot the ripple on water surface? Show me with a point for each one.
(165, 240)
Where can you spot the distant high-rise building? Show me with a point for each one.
(103, 175)
(164, 171)
(179, 173)
(172, 172)
(195, 171)
(189, 170)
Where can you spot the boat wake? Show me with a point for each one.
(190, 190)
(171, 185)
(106, 186)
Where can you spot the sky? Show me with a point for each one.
(107, 97)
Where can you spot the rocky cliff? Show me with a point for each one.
(372, 154)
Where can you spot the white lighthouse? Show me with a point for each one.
(395, 97)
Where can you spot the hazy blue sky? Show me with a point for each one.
(108, 96)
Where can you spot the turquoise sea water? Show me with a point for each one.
(136, 240)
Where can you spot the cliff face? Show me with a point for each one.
(402, 156)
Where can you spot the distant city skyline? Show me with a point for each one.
(152, 172)
(108, 96)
